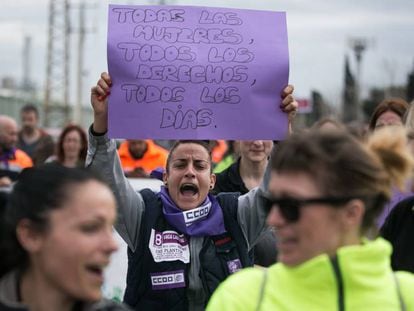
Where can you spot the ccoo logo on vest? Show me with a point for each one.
(166, 280)
(196, 214)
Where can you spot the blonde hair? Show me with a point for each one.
(409, 117)
(389, 146)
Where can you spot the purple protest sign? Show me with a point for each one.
(183, 72)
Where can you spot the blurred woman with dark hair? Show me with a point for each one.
(56, 241)
(390, 111)
(72, 147)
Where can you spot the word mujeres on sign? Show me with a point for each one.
(188, 35)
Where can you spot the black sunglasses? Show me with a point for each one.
(290, 207)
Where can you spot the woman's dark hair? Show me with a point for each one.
(204, 143)
(343, 166)
(397, 105)
(38, 191)
(84, 142)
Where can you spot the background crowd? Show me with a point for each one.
(258, 195)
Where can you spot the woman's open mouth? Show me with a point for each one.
(188, 189)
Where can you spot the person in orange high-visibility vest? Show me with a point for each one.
(12, 160)
(140, 157)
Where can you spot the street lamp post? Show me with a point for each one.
(358, 45)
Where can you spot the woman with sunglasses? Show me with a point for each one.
(325, 192)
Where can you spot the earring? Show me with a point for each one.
(211, 187)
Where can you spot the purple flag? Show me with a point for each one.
(182, 72)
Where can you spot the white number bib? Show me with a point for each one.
(169, 246)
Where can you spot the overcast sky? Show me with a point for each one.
(319, 34)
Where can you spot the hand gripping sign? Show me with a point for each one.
(183, 72)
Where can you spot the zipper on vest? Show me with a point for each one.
(339, 282)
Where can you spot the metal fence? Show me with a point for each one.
(11, 106)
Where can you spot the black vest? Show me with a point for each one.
(216, 258)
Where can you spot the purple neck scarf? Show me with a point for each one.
(205, 220)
